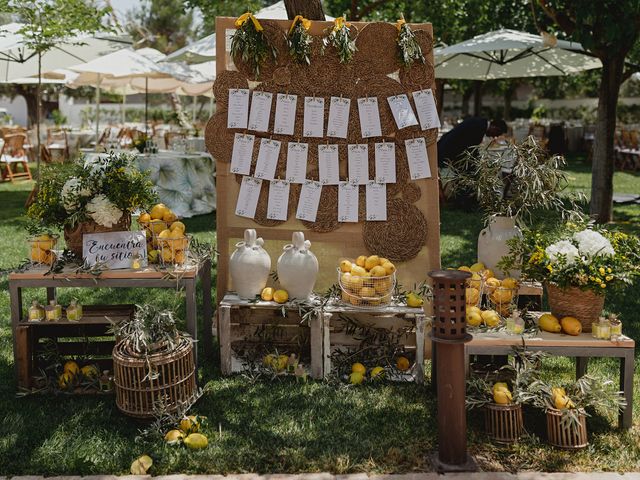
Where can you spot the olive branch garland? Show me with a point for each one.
(249, 43)
(299, 40)
(409, 50)
(339, 36)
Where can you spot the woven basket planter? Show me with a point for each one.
(73, 236)
(503, 423)
(173, 383)
(562, 436)
(584, 305)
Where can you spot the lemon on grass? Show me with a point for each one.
(358, 368)
(89, 371)
(196, 441)
(356, 378)
(377, 373)
(190, 424)
(71, 367)
(65, 381)
(403, 364)
(174, 437)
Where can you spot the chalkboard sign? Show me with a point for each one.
(114, 249)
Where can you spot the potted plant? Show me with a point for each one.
(97, 194)
(502, 393)
(566, 407)
(153, 363)
(510, 183)
(578, 263)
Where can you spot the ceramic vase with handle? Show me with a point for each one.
(249, 266)
(298, 268)
(492, 243)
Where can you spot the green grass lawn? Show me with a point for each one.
(283, 426)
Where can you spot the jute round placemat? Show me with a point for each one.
(225, 81)
(418, 76)
(401, 237)
(411, 192)
(379, 86)
(425, 40)
(377, 49)
(218, 138)
(327, 216)
(277, 38)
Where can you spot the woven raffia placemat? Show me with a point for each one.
(277, 39)
(401, 237)
(411, 192)
(225, 81)
(219, 138)
(377, 49)
(379, 86)
(425, 40)
(418, 76)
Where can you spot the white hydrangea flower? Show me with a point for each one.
(563, 247)
(72, 190)
(103, 212)
(592, 244)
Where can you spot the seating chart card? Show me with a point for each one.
(376, 202)
(348, 197)
(248, 197)
(329, 164)
(278, 206)
(285, 120)
(242, 153)
(260, 111)
(358, 157)
(238, 113)
(369, 117)
(338, 117)
(402, 111)
(297, 154)
(426, 108)
(313, 125)
(385, 155)
(267, 159)
(417, 158)
(309, 201)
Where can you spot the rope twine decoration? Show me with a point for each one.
(377, 49)
(219, 138)
(418, 76)
(225, 81)
(281, 77)
(411, 192)
(401, 237)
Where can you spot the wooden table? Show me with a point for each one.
(582, 347)
(145, 278)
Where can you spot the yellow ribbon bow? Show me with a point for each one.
(400, 23)
(340, 22)
(242, 19)
(306, 24)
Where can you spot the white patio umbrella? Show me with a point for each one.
(511, 54)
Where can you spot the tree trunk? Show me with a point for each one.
(477, 97)
(310, 9)
(603, 156)
(466, 97)
(28, 92)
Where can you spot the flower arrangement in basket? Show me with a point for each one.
(567, 407)
(369, 281)
(578, 263)
(97, 194)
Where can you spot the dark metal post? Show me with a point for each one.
(450, 334)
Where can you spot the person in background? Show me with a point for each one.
(469, 133)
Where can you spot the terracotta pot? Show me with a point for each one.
(73, 236)
(584, 305)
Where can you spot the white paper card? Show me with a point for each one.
(242, 153)
(417, 158)
(402, 111)
(278, 206)
(285, 120)
(426, 108)
(338, 117)
(369, 117)
(385, 155)
(313, 125)
(376, 202)
(238, 112)
(115, 249)
(309, 201)
(267, 159)
(348, 197)
(297, 154)
(358, 156)
(248, 197)
(260, 111)
(329, 164)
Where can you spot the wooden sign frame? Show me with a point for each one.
(347, 240)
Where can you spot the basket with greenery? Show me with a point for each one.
(96, 194)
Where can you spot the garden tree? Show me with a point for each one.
(212, 9)
(609, 29)
(51, 23)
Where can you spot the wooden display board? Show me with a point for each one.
(347, 240)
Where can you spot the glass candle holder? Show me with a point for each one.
(36, 312)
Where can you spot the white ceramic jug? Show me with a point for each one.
(492, 243)
(298, 268)
(249, 266)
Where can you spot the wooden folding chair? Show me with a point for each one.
(169, 138)
(13, 156)
(58, 144)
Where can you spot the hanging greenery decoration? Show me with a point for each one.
(409, 49)
(299, 40)
(339, 36)
(249, 43)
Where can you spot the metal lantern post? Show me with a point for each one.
(450, 334)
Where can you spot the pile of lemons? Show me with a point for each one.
(72, 375)
(188, 433)
(41, 249)
(367, 281)
(270, 294)
(165, 235)
(358, 373)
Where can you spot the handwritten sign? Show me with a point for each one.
(114, 249)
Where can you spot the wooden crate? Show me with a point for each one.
(87, 339)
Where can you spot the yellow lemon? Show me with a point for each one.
(164, 234)
(345, 266)
(71, 367)
(383, 286)
(475, 281)
(141, 465)
(358, 368)
(174, 437)
(356, 378)
(152, 256)
(502, 396)
(179, 257)
(499, 385)
(473, 318)
(65, 380)
(402, 364)
(384, 260)
(167, 255)
(378, 271)
(549, 323)
(189, 424)
(89, 371)
(178, 226)
(488, 273)
(414, 300)
(491, 284)
(571, 326)
(372, 261)
(39, 256)
(267, 294)
(144, 218)
(491, 318)
(367, 292)
(464, 268)
(562, 401)
(558, 391)
(388, 267)
(280, 296)
(169, 216)
(158, 211)
(472, 296)
(502, 295)
(377, 373)
(358, 271)
(509, 283)
(282, 362)
(477, 267)
(360, 261)
(156, 225)
(196, 441)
